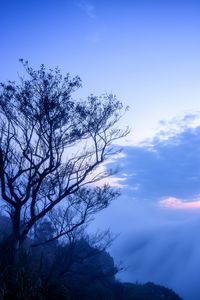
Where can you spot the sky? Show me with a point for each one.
(157, 217)
(147, 53)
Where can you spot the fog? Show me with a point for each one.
(158, 214)
(155, 244)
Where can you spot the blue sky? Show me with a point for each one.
(147, 53)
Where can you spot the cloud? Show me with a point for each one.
(164, 167)
(164, 252)
(155, 244)
(87, 8)
(177, 125)
(158, 214)
(175, 203)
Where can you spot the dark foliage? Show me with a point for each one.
(76, 270)
(50, 149)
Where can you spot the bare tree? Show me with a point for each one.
(50, 148)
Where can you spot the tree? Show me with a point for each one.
(50, 149)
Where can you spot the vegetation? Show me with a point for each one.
(79, 270)
(50, 149)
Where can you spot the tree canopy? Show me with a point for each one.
(50, 148)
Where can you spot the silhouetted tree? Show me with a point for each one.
(50, 148)
(59, 270)
(81, 269)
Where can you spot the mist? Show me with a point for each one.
(155, 244)
(158, 215)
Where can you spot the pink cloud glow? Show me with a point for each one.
(176, 203)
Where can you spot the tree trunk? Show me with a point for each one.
(12, 245)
